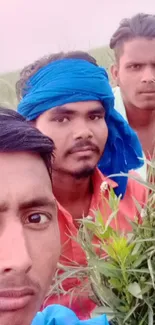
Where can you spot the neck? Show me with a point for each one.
(139, 118)
(67, 189)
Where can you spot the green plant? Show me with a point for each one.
(121, 268)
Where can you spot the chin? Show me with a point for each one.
(16, 318)
(83, 172)
(147, 104)
(148, 108)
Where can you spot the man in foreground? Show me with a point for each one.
(29, 236)
(68, 98)
(134, 72)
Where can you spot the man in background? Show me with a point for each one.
(67, 96)
(134, 73)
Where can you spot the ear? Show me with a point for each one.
(114, 73)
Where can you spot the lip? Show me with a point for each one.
(83, 149)
(15, 299)
(151, 92)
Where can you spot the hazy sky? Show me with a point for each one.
(32, 28)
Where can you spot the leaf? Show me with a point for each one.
(72, 273)
(137, 204)
(111, 217)
(136, 249)
(150, 312)
(130, 313)
(98, 311)
(98, 228)
(138, 179)
(139, 261)
(107, 295)
(147, 288)
(142, 271)
(122, 250)
(151, 271)
(116, 283)
(105, 268)
(135, 290)
(113, 200)
(150, 316)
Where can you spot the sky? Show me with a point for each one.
(30, 29)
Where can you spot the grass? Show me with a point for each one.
(104, 57)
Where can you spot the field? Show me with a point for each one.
(8, 98)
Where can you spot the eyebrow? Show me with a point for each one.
(64, 110)
(139, 62)
(134, 62)
(34, 203)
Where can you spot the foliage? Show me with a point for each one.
(121, 268)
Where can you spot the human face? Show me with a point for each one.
(135, 73)
(79, 132)
(29, 236)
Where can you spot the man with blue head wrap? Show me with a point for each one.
(69, 98)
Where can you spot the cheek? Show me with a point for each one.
(42, 125)
(128, 80)
(128, 87)
(102, 134)
(53, 133)
(44, 247)
(46, 127)
(60, 142)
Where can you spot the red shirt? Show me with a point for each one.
(71, 251)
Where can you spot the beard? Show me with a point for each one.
(83, 173)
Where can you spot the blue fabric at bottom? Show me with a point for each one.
(60, 315)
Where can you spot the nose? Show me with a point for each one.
(14, 255)
(82, 131)
(148, 75)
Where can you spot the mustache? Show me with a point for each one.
(81, 144)
(18, 282)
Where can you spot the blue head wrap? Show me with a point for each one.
(74, 80)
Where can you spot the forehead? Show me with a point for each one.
(23, 176)
(139, 50)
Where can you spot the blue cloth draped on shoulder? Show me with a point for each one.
(60, 315)
(74, 80)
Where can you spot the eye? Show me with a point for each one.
(95, 117)
(61, 119)
(135, 66)
(37, 218)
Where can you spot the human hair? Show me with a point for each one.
(17, 135)
(32, 68)
(140, 25)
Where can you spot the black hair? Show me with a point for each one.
(140, 25)
(17, 135)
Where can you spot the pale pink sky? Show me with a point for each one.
(32, 28)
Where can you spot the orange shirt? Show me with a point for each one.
(71, 251)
